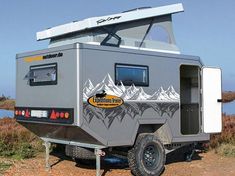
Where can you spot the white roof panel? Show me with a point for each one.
(108, 20)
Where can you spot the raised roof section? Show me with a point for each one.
(142, 28)
(96, 22)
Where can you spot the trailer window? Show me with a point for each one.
(131, 74)
(42, 75)
(158, 33)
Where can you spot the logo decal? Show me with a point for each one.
(102, 100)
(107, 19)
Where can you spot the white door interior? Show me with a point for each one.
(211, 100)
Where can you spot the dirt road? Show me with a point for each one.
(204, 164)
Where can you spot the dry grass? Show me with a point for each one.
(11, 131)
(16, 140)
(228, 96)
(224, 143)
(226, 150)
(228, 132)
(7, 104)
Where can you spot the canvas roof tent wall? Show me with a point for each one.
(147, 29)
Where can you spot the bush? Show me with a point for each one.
(224, 143)
(25, 150)
(227, 135)
(4, 166)
(226, 150)
(7, 104)
(228, 96)
(16, 141)
(4, 149)
(3, 98)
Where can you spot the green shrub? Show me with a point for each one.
(16, 141)
(4, 166)
(25, 150)
(17, 150)
(226, 150)
(5, 149)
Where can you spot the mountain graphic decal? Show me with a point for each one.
(128, 94)
(136, 101)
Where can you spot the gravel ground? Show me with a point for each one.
(204, 164)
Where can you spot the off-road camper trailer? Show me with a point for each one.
(118, 82)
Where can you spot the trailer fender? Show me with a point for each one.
(147, 126)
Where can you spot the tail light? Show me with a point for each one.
(27, 113)
(66, 115)
(63, 115)
(53, 115)
(57, 114)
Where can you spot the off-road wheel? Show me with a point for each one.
(147, 157)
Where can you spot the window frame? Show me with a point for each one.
(117, 82)
(44, 83)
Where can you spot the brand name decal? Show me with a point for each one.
(39, 58)
(105, 101)
(108, 19)
(50, 56)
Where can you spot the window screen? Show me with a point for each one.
(42, 75)
(131, 74)
(158, 33)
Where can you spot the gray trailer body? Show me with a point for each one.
(118, 82)
(116, 126)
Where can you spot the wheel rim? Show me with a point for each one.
(150, 156)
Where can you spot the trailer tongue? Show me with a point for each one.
(119, 85)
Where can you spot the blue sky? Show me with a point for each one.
(205, 29)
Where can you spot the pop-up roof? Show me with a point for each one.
(144, 28)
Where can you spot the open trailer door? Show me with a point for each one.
(211, 100)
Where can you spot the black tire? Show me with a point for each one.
(79, 152)
(147, 157)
